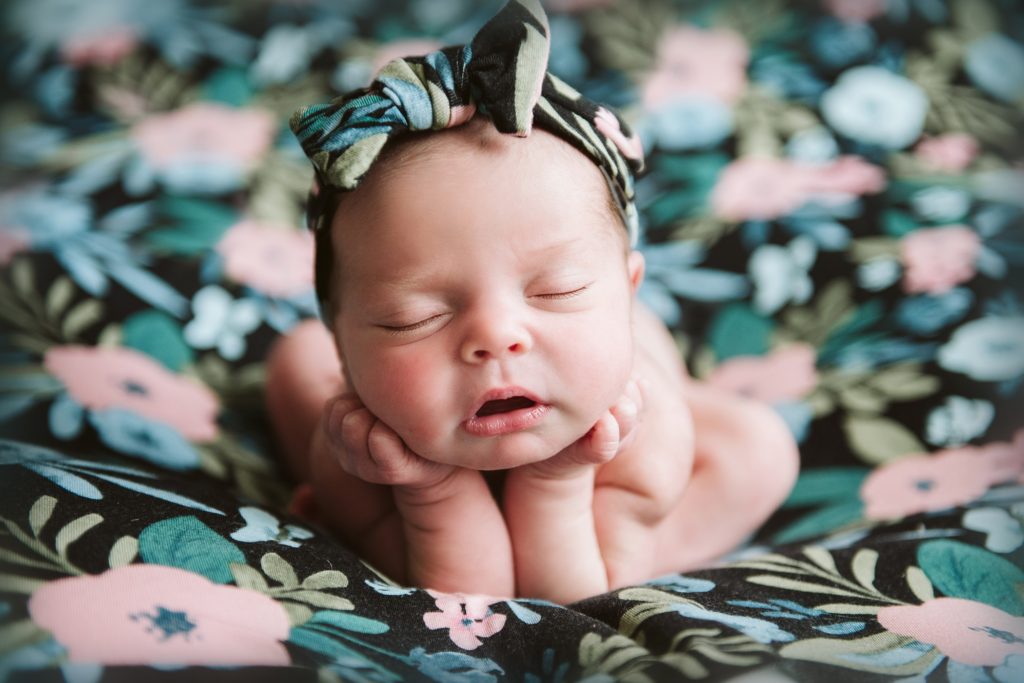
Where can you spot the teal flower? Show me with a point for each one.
(875, 106)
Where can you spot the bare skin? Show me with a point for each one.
(621, 469)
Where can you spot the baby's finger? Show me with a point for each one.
(602, 443)
(626, 414)
(394, 462)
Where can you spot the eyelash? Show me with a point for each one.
(563, 295)
(400, 329)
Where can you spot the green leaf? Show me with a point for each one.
(878, 439)
(349, 622)
(59, 296)
(87, 313)
(318, 599)
(738, 331)
(864, 562)
(963, 571)
(898, 223)
(847, 608)
(196, 225)
(18, 634)
(919, 584)
(123, 551)
(74, 530)
(23, 277)
(821, 557)
(827, 485)
(277, 568)
(800, 586)
(247, 577)
(905, 382)
(228, 85)
(185, 542)
(862, 399)
(329, 578)
(866, 654)
(820, 522)
(40, 513)
(158, 335)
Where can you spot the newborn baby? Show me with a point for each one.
(479, 289)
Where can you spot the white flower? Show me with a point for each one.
(876, 106)
(221, 322)
(780, 274)
(988, 350)
(958, 421)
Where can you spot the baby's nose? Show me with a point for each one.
(495, 338)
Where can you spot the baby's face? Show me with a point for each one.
(484, 297)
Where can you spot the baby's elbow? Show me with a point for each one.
(773, 458)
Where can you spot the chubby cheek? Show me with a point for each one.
(596, 368)
(405, 390)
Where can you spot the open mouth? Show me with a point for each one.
(505, 405)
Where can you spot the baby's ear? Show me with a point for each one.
(635, 268)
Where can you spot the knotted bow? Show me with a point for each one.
(502, 73)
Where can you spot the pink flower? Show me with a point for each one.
(950, 152)
(785, 374)
(938, 259)
(101, 377)
(12, 242)
(103, 49)
(693, 61)
(856, 10)
(205, 131)
(151, 614)
(274, 259)
(765, 188)
(608, 125)
(966, 631)
(923, 483)
(468, 618)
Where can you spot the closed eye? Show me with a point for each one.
(411, 327)
(563, 295)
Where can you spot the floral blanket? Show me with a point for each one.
(831, 221)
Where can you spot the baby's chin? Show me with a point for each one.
(500, 452)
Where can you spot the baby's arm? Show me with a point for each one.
(550, 515)
(455, 538)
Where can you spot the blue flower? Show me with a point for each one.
(691, 122)
(261, 526)
(838, 43)
(996, 65)
(927, 314)
(221, 322)
(875, 106)
(786, 78)
(130, 433)
(988, 349)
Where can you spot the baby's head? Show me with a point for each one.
(479, 285)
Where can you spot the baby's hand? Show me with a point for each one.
(368, 449)
(612, 431)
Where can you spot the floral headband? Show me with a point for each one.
(501, 73)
